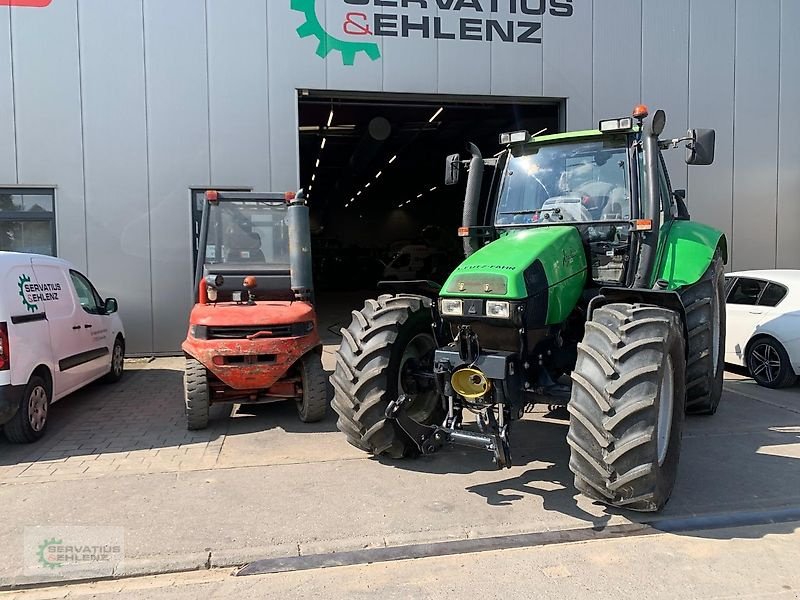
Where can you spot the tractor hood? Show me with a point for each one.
(546, 262)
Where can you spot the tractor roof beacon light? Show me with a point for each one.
(640, 112)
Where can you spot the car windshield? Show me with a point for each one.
(586, 181)
(247, 233)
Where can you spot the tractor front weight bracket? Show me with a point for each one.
(430, 438)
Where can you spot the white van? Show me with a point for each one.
(56, 335)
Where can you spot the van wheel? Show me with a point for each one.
(30, 422)
(196, 396)
(117, 362)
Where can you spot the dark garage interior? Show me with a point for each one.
(373, 169)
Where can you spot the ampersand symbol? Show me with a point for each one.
(356, 23)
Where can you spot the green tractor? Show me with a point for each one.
(585, 285)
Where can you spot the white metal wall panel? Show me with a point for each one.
(665, 72)
(789, 134)
(617, 57)
(571, 79)
(238, 93)
(178, 149)
(711, 81)
(48, 111)
(8, 144)
(411, 64)
(115, 154)
(292, 64)
(516, 68)
(365, 73)
(755, 172)
(465, 65)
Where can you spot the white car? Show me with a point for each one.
(763, 325)
(56, 335)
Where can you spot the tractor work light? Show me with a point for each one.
(514, 137)
(452, 307)
(214, 281)
(610, 125)
(498, 309)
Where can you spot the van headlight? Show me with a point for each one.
(498, 309)
(452, 307)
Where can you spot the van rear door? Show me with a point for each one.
(25, 317)
(67, 338)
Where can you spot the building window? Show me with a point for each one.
(27, 220)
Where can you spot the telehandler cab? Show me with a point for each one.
(585, 284)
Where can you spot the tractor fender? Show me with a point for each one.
(662, 298)
(416, 287)
(687, 252)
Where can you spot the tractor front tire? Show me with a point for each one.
(313, 406)
(704, 303)
(376, 350)
(627, 406)
(196, 394)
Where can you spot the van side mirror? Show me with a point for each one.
(111, 306)
(453, 169)
(700, 150)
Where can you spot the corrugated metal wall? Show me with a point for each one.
(125, 105)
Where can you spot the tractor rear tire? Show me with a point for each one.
(313, 406)
(370, 363)
(196, 394)
(627, 406)
(705, 323)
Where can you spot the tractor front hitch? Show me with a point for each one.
(430, 438)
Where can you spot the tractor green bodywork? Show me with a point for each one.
(686, 249)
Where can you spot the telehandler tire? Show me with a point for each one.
(627, 406)
(196, 396)
(386, 342)
(705, 322)
(314, 404)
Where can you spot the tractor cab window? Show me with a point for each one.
(247, 233)
(581, 182)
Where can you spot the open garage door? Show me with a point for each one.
(373, 167)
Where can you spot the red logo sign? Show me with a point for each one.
(29, 3)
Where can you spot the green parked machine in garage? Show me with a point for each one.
(585, 284)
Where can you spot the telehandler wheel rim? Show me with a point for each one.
(37, 408)
(666, 403)
(420, 347)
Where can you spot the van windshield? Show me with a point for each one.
(585, 181)
(247, 233)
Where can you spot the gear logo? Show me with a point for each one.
(328, 43)
(44, 557)
(23, 279)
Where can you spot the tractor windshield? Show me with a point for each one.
(247, 233)
(578, 182)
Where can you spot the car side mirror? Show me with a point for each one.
(453, 169)
(111, 306)
(700, 150)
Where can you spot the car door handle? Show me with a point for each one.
(76, 327)
(756, 312)
(88, 326)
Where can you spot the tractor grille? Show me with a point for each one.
(240, 333)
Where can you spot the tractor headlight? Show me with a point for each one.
(199, 332)
(498, 309)
(452, 307)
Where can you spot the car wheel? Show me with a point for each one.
(117, 362)
(769, 364)
(30, 422)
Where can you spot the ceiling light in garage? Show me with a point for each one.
(433, 189)
(419, 195)
(379, 174)
(317, 165)
(394, 158)
(323, 143)
(369, 183)
(330, 119)
(436, 114)
(314, 177)
(358, 193)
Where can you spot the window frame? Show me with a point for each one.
(778, 285)
(758, 298)
(197, 215)
(99, 302)
(23, 216)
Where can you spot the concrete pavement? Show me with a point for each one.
(261, 484)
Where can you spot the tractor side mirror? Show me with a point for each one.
(700, 150)
(679, 194)
(453, 169)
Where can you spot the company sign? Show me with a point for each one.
(28, 3)
(354, 26)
